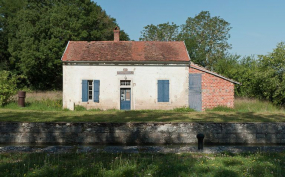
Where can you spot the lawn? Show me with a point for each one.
(12, 115)
(172, 165)
(47, 107)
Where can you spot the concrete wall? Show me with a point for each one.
(143, 87)
(215, 91)
(142, 133)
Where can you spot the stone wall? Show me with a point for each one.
(142, 133)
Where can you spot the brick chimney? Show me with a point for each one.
(117, 34)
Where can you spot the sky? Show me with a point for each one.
(257, 25)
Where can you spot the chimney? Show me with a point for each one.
(117, 34)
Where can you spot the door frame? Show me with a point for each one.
(127, 87)
(189, 99)
(125, 97)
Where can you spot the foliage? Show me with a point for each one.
(271, 75)
(8, 9)
(184, 109)
(142, 164)
(79, 108)
(38, 32)
(160, 32)
(262, 78)
(222, 109)
(205, 37)
(39, 105)
(8, 86)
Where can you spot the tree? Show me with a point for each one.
(206, 38)
(271, 75)
(8, 86)
(8, 9)
(160, 32)
(242, 70)
(39, 32)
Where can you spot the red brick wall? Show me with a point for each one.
(215, 91)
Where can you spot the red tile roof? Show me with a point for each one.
(125, 51)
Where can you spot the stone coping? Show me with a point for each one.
(141, 149)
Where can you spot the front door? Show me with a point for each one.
(125, 96)
(195, 95)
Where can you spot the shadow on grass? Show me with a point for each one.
(103, 164)
(136, 116)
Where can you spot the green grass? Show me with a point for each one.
(107, 164)
(50, 110)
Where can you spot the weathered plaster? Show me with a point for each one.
(143, 87)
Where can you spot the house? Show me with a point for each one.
(134, 75)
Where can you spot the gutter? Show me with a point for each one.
(131, 62)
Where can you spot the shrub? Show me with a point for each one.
(8, 86)
(183, 109)
(79, 108)
(222, 109)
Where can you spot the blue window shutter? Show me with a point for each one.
(84, 91)
(166, 91)
(160, 90)
(96, 90)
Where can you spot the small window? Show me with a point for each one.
(125, 83)
(90, 89)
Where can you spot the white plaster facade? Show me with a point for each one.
(144, 88)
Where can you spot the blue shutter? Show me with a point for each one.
(166, 91)
(160, 91)
(84, 91)
(96, 90)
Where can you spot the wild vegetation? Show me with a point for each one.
(107, 164)
(34, 35)
(47, 107)
(206, 39)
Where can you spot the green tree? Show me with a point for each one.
(271, 75)
(239, 69)
(160, 32)
(8, 86)
(8, 9)
(39, 32)
(206, 38)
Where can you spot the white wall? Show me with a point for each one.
(143, 87)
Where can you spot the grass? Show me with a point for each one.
(47, 107)
(107, 164)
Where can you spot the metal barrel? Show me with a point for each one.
(21, 98)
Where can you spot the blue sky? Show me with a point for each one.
(257, 25)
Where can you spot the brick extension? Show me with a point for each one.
(216, 91)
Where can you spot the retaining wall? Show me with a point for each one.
(142, 133)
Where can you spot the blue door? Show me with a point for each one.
(195, 92)
(125, 97)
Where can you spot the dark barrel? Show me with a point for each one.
(200, 137)
(21, 98)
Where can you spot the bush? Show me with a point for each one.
(222, 109)
(8, 86)
(184, 109)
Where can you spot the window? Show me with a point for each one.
(90, 83)
(163, 91)
(125, 82)
(90, 90)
